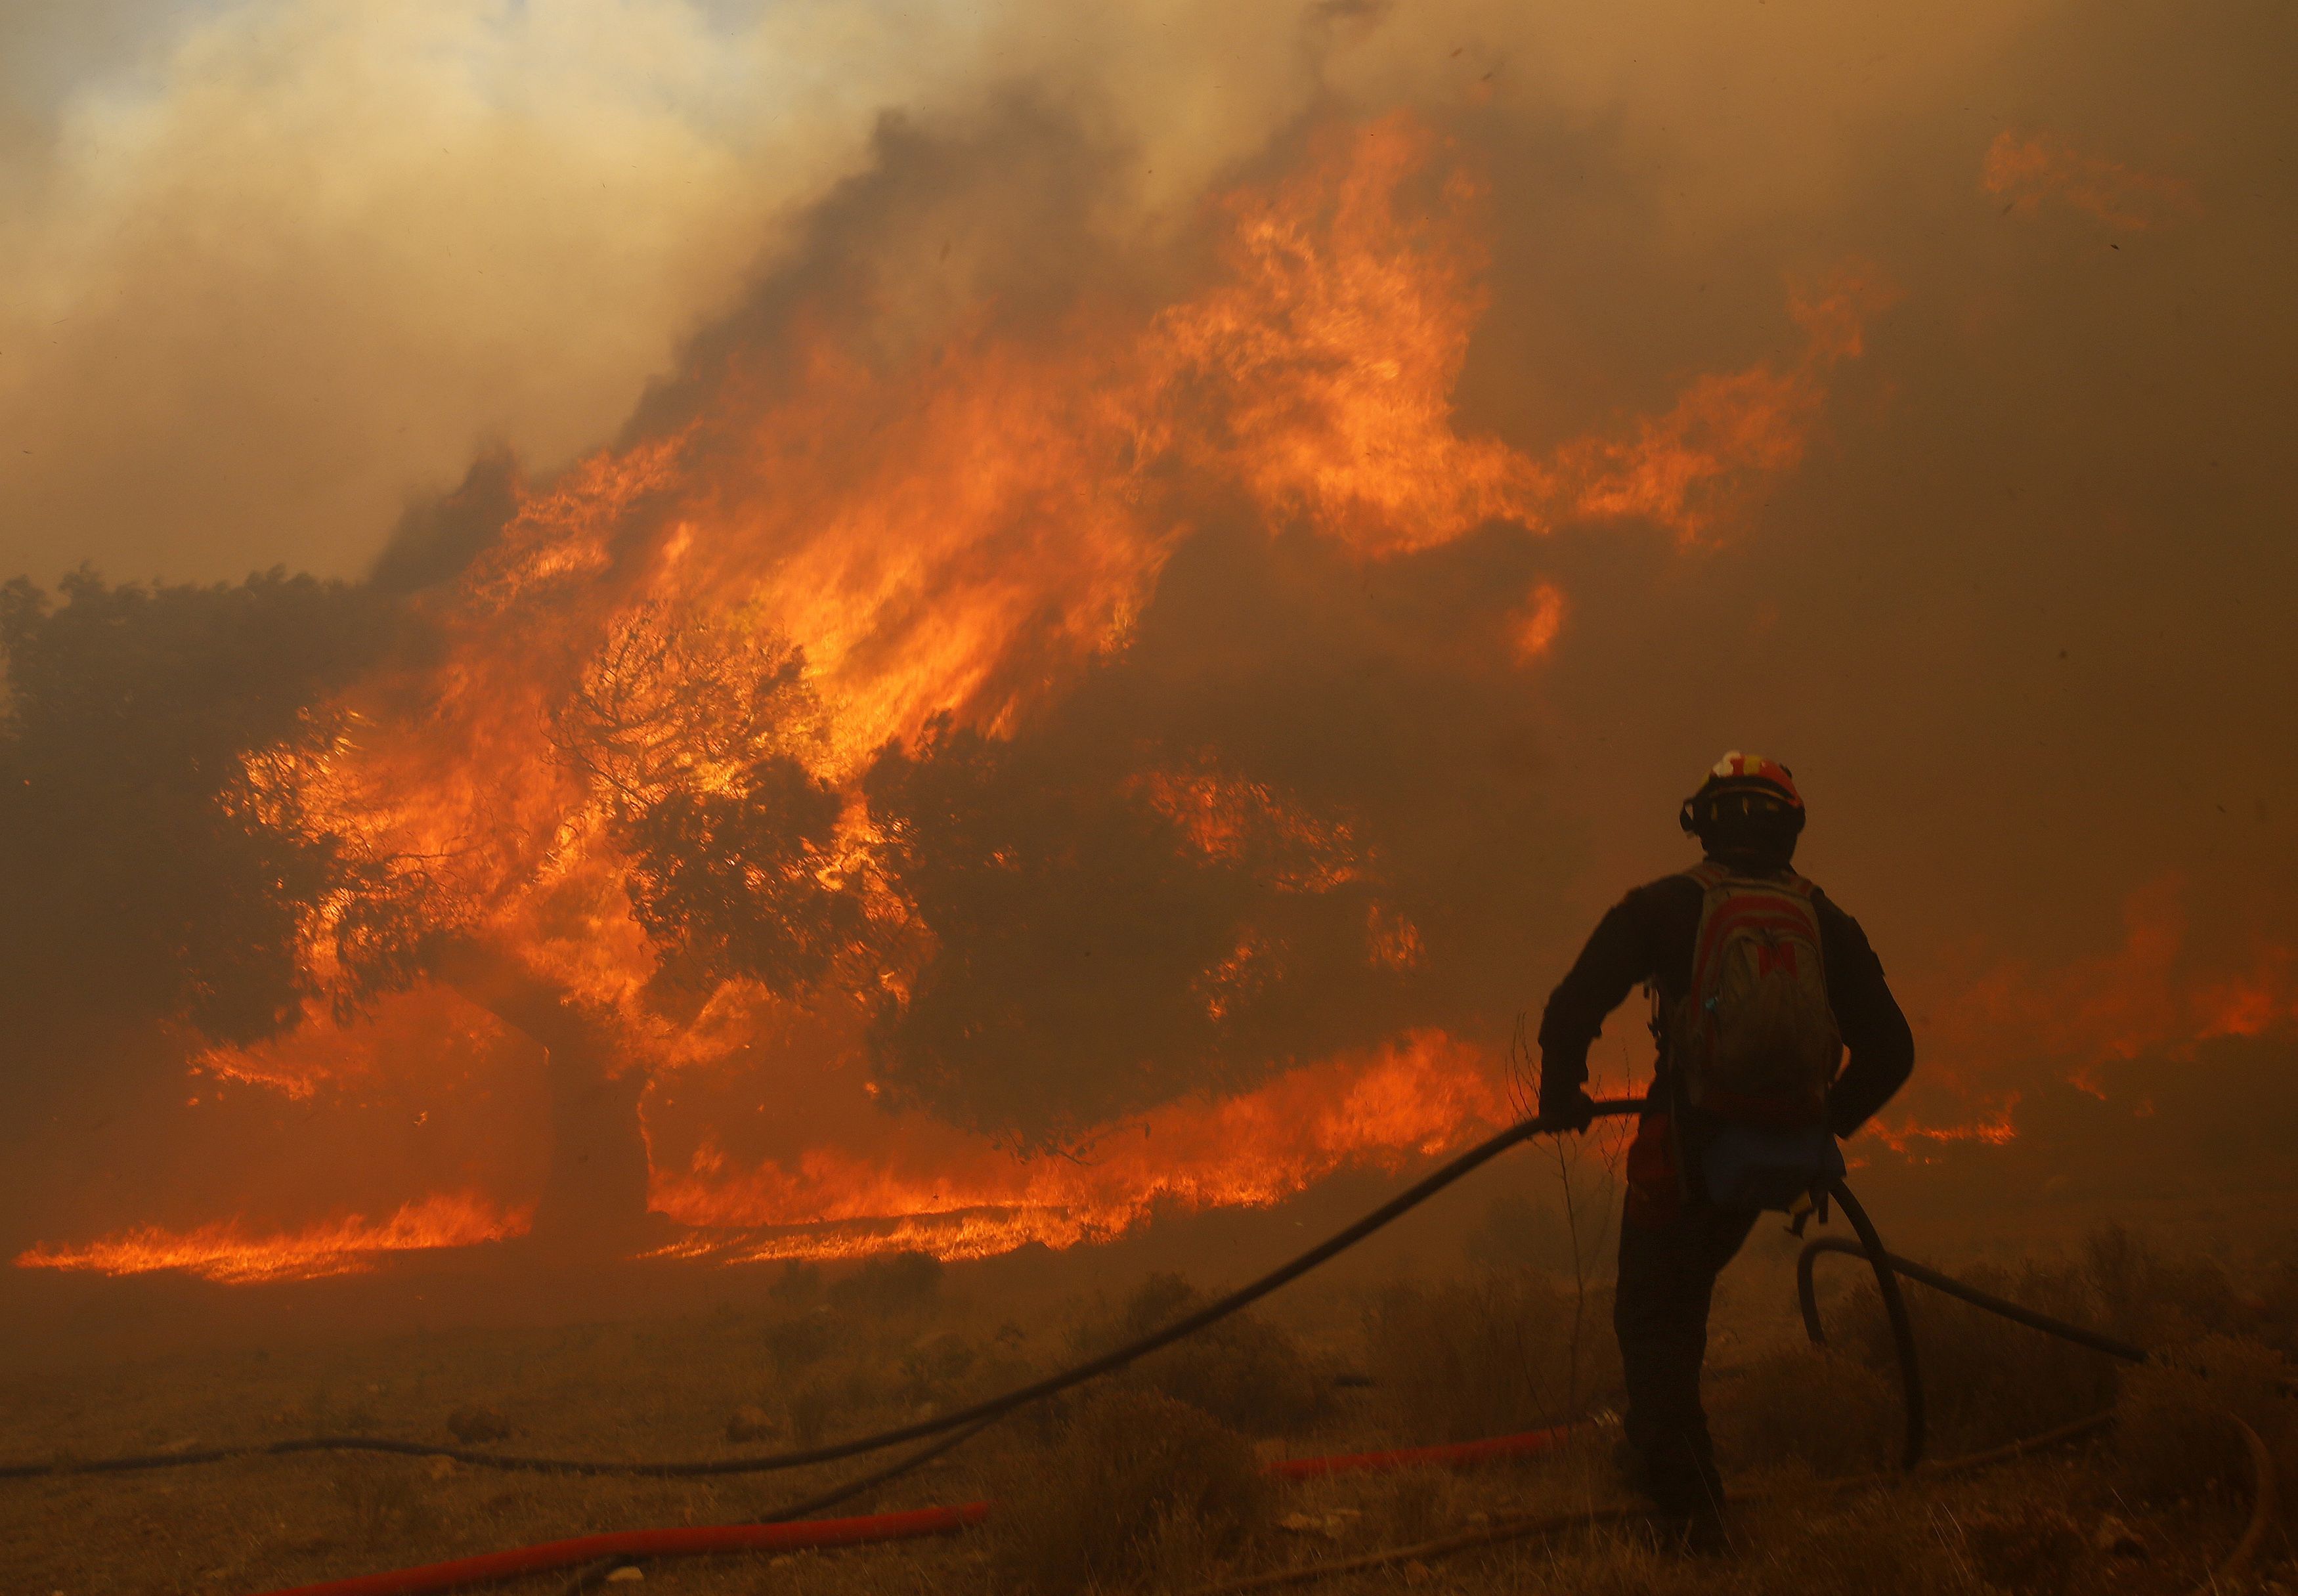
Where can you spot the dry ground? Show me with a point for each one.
(826, 1357)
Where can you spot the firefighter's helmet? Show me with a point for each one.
(1744, 790)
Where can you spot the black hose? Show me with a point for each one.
(1245, 1296)
(1895, 1307)
(1808, 1291)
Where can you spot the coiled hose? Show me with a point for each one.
(1888, 1267)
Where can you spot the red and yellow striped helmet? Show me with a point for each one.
(1760, 784)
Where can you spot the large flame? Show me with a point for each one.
(863, 544)
(933, 1193)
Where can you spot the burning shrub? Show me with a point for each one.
(901, 1283)
(1829, 1412)
(1246, 1372)
(1135, 1486)
(1467, 1359)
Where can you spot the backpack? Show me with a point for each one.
(1753, 1040)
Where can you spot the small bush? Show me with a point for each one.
(932, 1368)
(1247, 1373)
(811, 1406)
(1467, 1359)
(795, 1343)
(474, 1425)
(1135, 1486)
(900, 1283)
(1829, 1412)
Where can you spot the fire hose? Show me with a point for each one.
(596, 1554)
(995, 1407)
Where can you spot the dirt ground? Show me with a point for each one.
(820, 1356)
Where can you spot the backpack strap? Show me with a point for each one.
(1709, 875)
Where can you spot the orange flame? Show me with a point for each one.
(347, 1245)
(1421, 1096)
(958, 530)
(1909, 1136)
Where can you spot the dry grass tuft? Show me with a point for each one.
(385, 1501)
(1135, 1488)
(1465, 1359)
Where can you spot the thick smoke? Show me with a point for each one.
(274, 265)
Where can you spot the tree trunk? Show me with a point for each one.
(596, 1190)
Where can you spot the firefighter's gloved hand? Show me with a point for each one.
(1567, 1108)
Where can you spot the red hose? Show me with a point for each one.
(699, 1539)
(652, 1544)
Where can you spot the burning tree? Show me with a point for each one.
(176, 856)
(688, 815)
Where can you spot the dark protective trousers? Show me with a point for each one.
(1670, 1251)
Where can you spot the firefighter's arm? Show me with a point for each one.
(1616, 960)
(1880, 1043)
